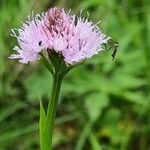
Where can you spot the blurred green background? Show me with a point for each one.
(104, 104)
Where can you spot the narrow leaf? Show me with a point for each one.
(95, 103)
(42, 124)
(55, 59)
(94, 142)
(47, 64)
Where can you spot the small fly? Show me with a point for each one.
(112, 46)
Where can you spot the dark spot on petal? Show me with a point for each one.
(40, 43)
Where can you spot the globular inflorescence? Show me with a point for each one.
(72, 37)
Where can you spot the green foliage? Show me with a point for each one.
(41, 86)
(42, 124)
(95, 104)
(104, 104)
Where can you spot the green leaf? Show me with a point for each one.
(94, 142)
(83, 136)
(42, 124)
(11, 109)
(55, 59)
(38, 84)
(14, 134)
(47, 64)
(95, 103)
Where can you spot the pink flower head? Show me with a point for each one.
(84, 41)
(73, 37)
(32, 40)
(56, 23)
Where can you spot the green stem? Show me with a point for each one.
(51, 111)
